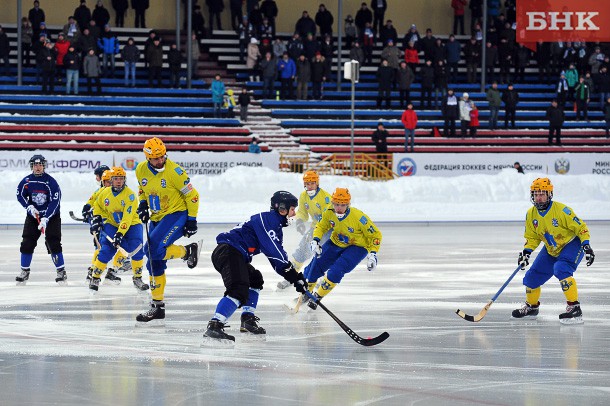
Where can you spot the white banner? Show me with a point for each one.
(464, 164)
(57, 161)
(205, 163)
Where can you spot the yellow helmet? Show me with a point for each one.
(541, 185)
(154, 148)
(118, 171)
(311, 176)
(107, 175)
(341, 196)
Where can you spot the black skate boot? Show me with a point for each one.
(125, 266)
(89, 274)
(215, 335)
(139, 284)
(313, 304)
(111, 278)
(573, 314)
(192, 254)
(249, 324)
(62, 278)
(94, 285)
(154, 316)
(23, 277)
(527, 311)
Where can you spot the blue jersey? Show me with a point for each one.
(261, 234)
(40, 191)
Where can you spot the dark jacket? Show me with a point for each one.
(427, 76)
(324, 19)
(36, 17)
(305, 25)
(86, 42)
(472, 53)
(243, 99)
(510, 99)
(607, 111)
(450, 111)
(141, 5)
(388, 33)
(319, 70)
(385, 77)
(268, 67)
(380, 139)
(440, 77)
(384, 5)
(120, 5)
(303, 70)
(72, 61)
(91, 66)
(131, 53)
(101, 16)
(555, 115)
(154, 55)
(82, 15)
(269, 9)
(405, 78)
(5, 46)
(454, 50)
(363, 17)
(174, 58)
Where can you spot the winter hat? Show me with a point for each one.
(253, 40)
(413, 27)
(465, 95)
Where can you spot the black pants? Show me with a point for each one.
(31, 234)
(174, 77)
(119, 20)
(582, 107)
(449, 125)
(140, 19)
(154, 73)
(96, 80)
(464, 126)
(426, 97)
(405, 97)
(238, 276)
(458, 20)
(378, 16)
(48, 81)
(214, 15)
(287, 90)
(555, 132)
(236, 18)
(509, 115)
(384, 94)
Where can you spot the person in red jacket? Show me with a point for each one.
(458, 15)
(411, 56)
(409, 120)
(61, 46)
(474, 120)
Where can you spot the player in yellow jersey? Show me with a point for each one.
(170, 202)
(354, 237)
(114, 216)
(566, 241)
(313, 201)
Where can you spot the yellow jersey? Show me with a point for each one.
(94, 196)
(355, 228)
(167, 192)
(313, 206)
(555, 227)
(117, 209)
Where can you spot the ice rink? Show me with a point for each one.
(59, 345)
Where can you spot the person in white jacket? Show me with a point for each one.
(465, 107)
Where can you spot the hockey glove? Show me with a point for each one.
(300, 284)
(44, 221)
(524, 258)
(118, 239)
(32, 211)
(87, 213)
(143, 211)
(301, 228)
(315, 247)
(589, 255)
(96, 225)
(190, 228)
(371, 261)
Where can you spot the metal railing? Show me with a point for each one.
(366, 166)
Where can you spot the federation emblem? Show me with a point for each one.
(106, 202)
(351, 230)
(129, 163)
(306, 206)
(332, 224)
(535, 223)
(555, 222)
(163, 183)
(407, 167)
(39, 198)
(562, 166)
(144, 182)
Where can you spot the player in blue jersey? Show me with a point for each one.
(232, 258)
(40, 195)
(566, 241)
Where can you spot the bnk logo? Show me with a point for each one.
(562, 20)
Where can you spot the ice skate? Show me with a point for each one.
(124, 267)
(249, 324)
(192, 254)
(573, 314)
(23, 277)
(89, 274)
(526, 311)
(62, 278)
(94, 285)
(139, 284)
(283, 285)
(154, 317)
(111, 278)
(215, 336)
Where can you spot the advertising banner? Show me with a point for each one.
(57, 161)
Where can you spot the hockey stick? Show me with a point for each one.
(73, 217)
(152, 274)
(367, 342)
(297, 306)
(483, 312)
(123, 250)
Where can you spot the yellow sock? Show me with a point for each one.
(158, 288)
(532, 295)
(136, 267)
(570, 290)
(297, 265)
(325, 287)
(310, 286)
(119, 258)
(95, 255)
(175, 251)
(98, 268)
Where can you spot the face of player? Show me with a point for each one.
(288, 213)
(118, 182)
(540, 196)
(106, 183)
(38, 169)
(98, 178)
(340, 208)
(157, 163)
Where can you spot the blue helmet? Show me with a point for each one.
(38, 159)
(282, 200)
(100, 170)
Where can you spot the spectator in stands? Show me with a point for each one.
(5, 50)
(518, 167)
(602, 85)
(327, 49)
(388, 32)
(268, 66)
(82, 15)
(174, 60)
(458, 15)
(522, 61)
(245, 32)
(120, 7)
(441, 83)
(37, 48)
(368, 42)
(465, 106)
(254, 148)
(228, 102)
(303, 77)
(439, 53)
(71, 30)
(350, 32)
(607, 116)
(385, 79)
(295, 47)
(474, 120)
(409, 121)
(215, 7)
(95, 30)
(236, 13)
(198, 23)
(495, 100)
(46, 59)
(195, 54)
(279, 47)
(287, 71)
(72, 62)
(140, 7)
(561, 89)
(36, 16)
(454, 51)
(256, 17)
(218, 91)
(244, 101)
(543, 60)
(411, 36)
(596, 59)
(61, 46)
(391, 53)
(557, 51)
(109, 44)
(305, 25)
(476, 13)
(324, 20)
(412, 56)
(556, 117)
(131, 56)
(404, 79)
(472, 53)
(356, 53)
(510, 98)
(572, 79)
(26, 40)
(380, 140)
(154, 56)
(269, 10)
(491, 60)
(149, 43)
(427, 84)
(310, 46)
(426, 45)
(583, 97)
(450, 110)
(320, 70)
(86, 41)
(363, 15)
(506, 51)
(379, 7)
(100, 14)
(254, 55)
(265, 31)
(251, 4)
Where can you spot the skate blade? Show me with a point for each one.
(572, 321)
(21, 283)
(282, 285)
(210, 342)
(62, 283)
(142, 292)
(247, 337)
(526, 318)
(93, 292)
(111, 283)
(157, 323)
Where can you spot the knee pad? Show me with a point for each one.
(256, 279)
(28, 245)
(239, 292)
